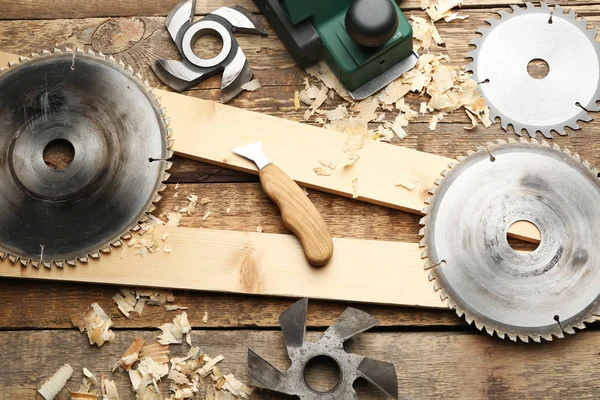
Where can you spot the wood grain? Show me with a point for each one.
(24, 308)
(429, 365)
(259, 263)
(299, 214)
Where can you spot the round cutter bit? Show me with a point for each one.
(222, 23)
(331, 345)
(558, 100)
(527, 295)
(120, 142)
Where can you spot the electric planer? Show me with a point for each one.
(367, 43)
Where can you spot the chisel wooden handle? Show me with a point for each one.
(299, 214)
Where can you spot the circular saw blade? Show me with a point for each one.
(526, 295)
(120, 139)
(560, 99)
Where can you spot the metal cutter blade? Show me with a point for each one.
(352, 366)
(537, 295)
(121, 146)
(554, 102)
(231, 61)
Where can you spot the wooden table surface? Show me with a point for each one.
(437, 356)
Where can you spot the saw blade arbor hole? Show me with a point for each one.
(538, 68)
(534, 232)
(59, 154)
(208, 45)
(322, 374)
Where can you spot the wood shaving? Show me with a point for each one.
(227, 210)
(322, 171)
(318, 102)
(205, 217)
(109, 390)
(322, 72)
(405, 182)
(132, 354)
(173, 219)
(173, 333)
(252, 85)
(340, 112)
(355, 188)
(433, 123)
(296, 100)
(174, 307)
(205, 200)
(205, 317)
(210, 364)
(125, 302)
(56, 383)
(96, 324)
(259, 229)
(191, 208)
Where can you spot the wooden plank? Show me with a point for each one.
(259, 263)
(42, 9)
(429, 365)
(24, 308)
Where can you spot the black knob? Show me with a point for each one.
(371, 23)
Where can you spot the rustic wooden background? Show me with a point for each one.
(437, 356)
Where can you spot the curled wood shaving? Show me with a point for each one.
(173, 333)
(96, 323)
(132, 354)
(340, 112)
(173, 219)
(56, 383)
(322, 72)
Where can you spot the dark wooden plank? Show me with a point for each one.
(43, 305)
(429, 365)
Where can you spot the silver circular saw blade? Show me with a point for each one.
(121, 147)
(526, 295)
(560, 99)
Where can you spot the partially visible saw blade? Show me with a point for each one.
(120, 143)
(542, 104)
(520, 295)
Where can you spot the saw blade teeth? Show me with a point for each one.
(60, 264)
(72, 263)
(13, 259)
(423, 221)
(3, 255)
(46, 52)
(47, 265)
(119, 243)
(525, 338)
(422, 231)
(57, 51)
(516, 9)
(95, 255)
(35, 264)
(24, 261)
(437, 287)
(422, 244)
(151, 208)
(79, 50)
(548, 337)
(83, 259)
(68, 50)
(512, 337)
(106, 250)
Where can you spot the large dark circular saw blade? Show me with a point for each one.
(117, 132)
(538, 294)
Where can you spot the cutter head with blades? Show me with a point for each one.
(231, 61)
(520, 295)
(331, 345)
(121, 146)
(550, 104)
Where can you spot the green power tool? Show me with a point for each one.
(367, 43)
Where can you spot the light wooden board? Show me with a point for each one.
(259, 263)
(429, 365)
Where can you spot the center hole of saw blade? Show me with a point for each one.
(208, 45)
(538, 68)
(322, 374)
(59, 154)
(527, 228)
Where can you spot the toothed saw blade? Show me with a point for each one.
(116, 128)
(526, 295)
(554, 102)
